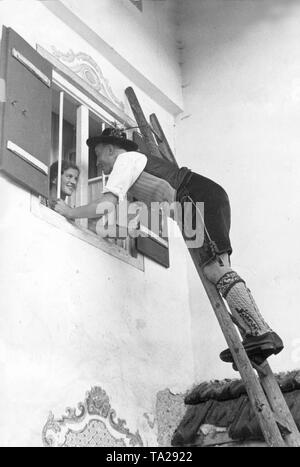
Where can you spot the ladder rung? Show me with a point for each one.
(258, 368)
(283, 425)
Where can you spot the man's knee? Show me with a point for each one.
(214, 270)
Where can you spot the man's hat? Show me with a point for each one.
(113, 136)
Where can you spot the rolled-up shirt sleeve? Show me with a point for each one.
(126, 170)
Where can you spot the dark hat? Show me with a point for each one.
(113, 136)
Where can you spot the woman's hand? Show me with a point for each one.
(62, 208)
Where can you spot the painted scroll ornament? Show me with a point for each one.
(87, 69)
(93, 424)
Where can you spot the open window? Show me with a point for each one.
(72, 124)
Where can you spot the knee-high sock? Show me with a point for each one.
(242, 305)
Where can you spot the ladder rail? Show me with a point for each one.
(141, 120)
(279, 405)
(254, 390)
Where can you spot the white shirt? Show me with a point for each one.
(126, 170)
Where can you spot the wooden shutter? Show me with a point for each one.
(25, 113)
(154, 246)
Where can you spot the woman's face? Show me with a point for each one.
(69, 181)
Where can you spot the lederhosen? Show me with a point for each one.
(162, 181)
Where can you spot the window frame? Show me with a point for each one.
(87, 106)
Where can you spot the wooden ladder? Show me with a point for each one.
(268, 403)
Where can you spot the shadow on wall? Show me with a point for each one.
(226, 20)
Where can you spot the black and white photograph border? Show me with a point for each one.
(149, 164)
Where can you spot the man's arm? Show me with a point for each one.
(105, 204)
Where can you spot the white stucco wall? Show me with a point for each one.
(72, 316)
(241, 82)
(123, 26)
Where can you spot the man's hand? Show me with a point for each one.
(62, 208)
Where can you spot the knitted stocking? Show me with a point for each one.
(242, 305)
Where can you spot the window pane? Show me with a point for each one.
(69, 132)
(69, 128)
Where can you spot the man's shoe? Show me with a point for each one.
(258, 347)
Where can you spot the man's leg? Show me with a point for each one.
(256, 332)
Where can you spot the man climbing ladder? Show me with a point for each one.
(154, 179)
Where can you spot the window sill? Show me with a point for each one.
(55, 219)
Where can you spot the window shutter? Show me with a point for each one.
(154, 245)
(25, 113)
